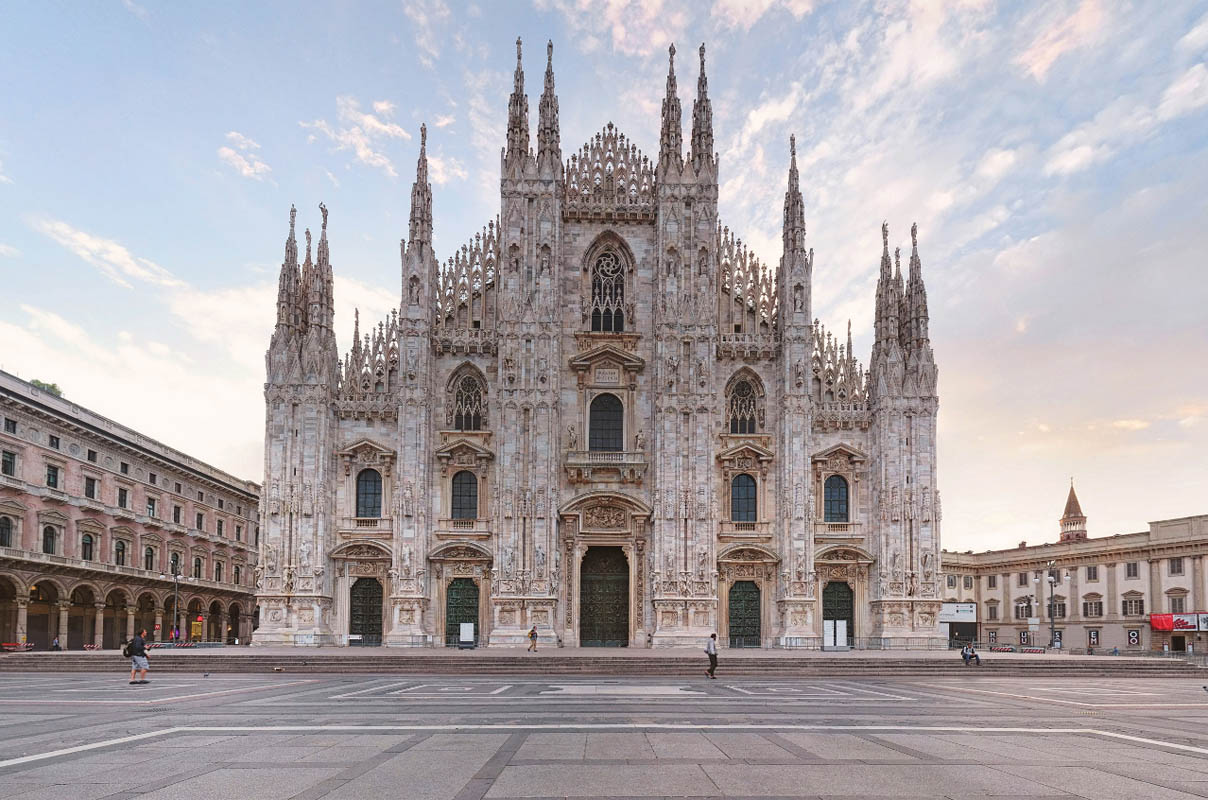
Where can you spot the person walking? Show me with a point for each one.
(137, 650)
(711, 651)
(54, 646)
(532, 636)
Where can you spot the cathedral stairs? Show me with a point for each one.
(674, 663)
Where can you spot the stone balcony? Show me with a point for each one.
(605, 466)
(730, 531)
(839, 530)
(463, 529)
(748, 346)
(366, 527)
(464, 341)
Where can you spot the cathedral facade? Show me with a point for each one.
(604, 417)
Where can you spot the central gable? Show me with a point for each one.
(609, 179)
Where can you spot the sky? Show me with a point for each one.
(1054, 155)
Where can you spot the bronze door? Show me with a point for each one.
(744, 614)
(461, 605)
(604, 598)
(838, 602)
(365, 619)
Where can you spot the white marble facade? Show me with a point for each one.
(605, 365)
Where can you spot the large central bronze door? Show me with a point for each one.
(838, 603)
(604, 598)
(461, 605)
(365, 619)
(744, 615)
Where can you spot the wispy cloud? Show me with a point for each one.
(8, 251)
(425, 17)
(4, 178)
(110, 257)
(443, 120)
(361, 132)
(1074, 31)
(243, 157)
(135, 9)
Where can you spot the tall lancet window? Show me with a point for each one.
(608, 293)
(740, 408)
(467, 407)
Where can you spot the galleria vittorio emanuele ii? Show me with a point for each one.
(603, 416)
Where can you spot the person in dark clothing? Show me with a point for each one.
(711, 651)
(138, 658)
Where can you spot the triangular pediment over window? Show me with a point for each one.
(367, 453)
(621, 359)
(841, 451)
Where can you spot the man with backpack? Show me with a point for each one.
(136, 651)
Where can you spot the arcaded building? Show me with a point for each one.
(97, 518)
(603, 416)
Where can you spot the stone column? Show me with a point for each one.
(64, 609)
(159, 634)
(22, 618)
(1196, 599)
(98, 625)
(129, 623)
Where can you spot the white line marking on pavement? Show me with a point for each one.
(85, 747)
(677, 726)
(1067, 702)
(370, 689)
(157, 700)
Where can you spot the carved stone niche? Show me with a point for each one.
(367, 453)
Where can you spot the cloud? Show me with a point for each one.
(8, 251)
(1196, 38)
(443, 120)
(246, 163)
(361, 132)
(444, 169)
(1077, 30)
(996, 163)
(135, 9)
(1131, 424)
(334, 180)
(425, 16)
(635, 27)
(113, 260)
(1125, 122)
(4, 178)
(745, 13)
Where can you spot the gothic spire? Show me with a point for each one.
(420, 230)
(518, 128)
(549, 148)
(287, 284)
(671, 140)
(888, 299)
(916, 294)
(702, 120)
(794, 206)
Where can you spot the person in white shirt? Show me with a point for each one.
(711, 651)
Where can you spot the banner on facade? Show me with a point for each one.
(958, 612)
(1176, 622)
(1204, 622)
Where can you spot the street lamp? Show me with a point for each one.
(175, 595)
(1052, 579)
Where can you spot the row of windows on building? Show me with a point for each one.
(464, 499)
(121, 554)
(1132, 569)
(122, 497)
(8, 466)
(1129, 607)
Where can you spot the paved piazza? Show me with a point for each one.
(413, 738)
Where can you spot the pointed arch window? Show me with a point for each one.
(6, 532)
(465, 495)
(606, 430)
(467, 410)
(369, 493)
(608, 293)
(743, 506)
(835, 499)
(741, 408)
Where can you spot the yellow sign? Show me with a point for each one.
(195, 630)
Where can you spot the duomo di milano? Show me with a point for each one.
(602, 416)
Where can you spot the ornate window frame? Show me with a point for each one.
(755, 403)
(456, 406)
(615, 294)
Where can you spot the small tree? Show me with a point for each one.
(52, 388)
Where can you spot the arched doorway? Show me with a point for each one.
(744, 615)
(215, 623)
(42, 617)
(604, 598)
(838, 615)
(80, 619)
(8, 610)
(114, 631)
(461, 605)
(194, 622)
(365, 613)
(144, 618)
(234, 620)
